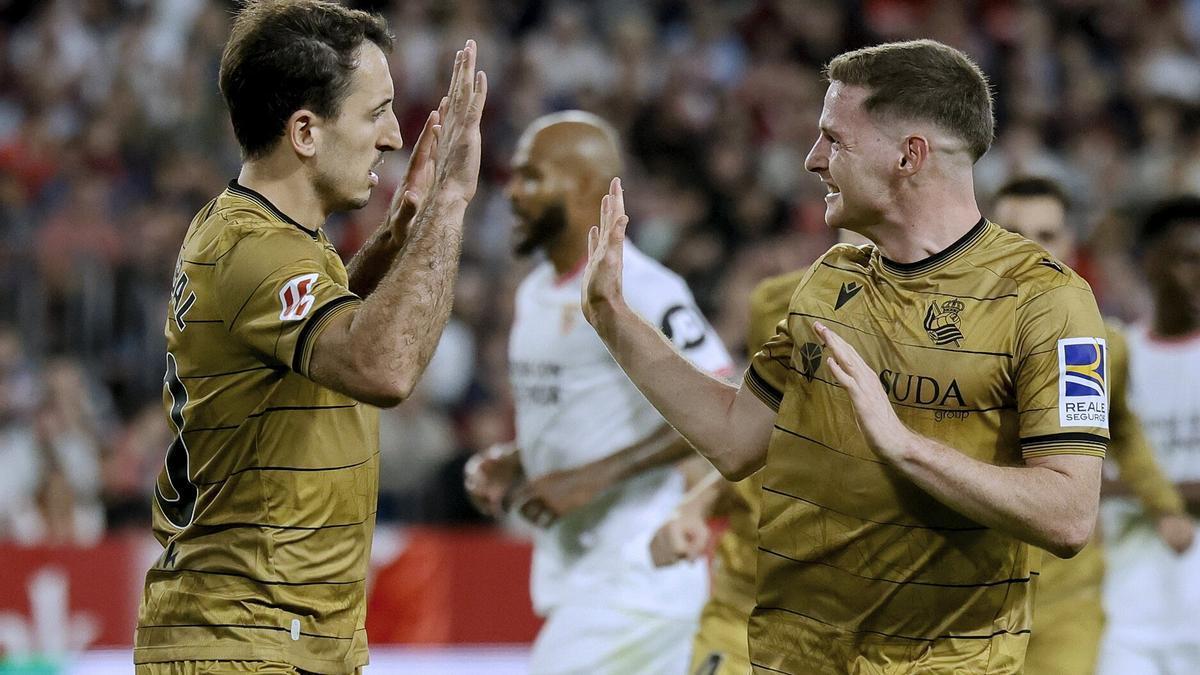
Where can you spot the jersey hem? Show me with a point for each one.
(238, 652)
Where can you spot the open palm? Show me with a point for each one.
(602, 278)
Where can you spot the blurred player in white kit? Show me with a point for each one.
(1152, 595)
(593, 465)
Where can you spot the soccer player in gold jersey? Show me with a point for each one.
(932, 411)
(277, 353)
(1068, 611)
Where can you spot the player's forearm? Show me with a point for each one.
(398, 326)
(703, 497)
(1040, 505)
(372, 261)
(663, 446)
(695, 403)
(1138, 469)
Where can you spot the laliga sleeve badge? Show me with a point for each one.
(296, 297)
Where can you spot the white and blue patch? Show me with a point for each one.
(1083, 382)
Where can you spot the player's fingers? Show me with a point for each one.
(593, 240)
(839, 373)
(478, 98)
(424, 147)
(618, 194)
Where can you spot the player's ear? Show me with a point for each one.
(913, 153)
(303, 128)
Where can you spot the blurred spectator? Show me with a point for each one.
(112, 134)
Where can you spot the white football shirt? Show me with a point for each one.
(575, 405)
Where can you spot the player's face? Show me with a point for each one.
(1173, 267)
(537, 198)
(851, 156)
(350, 147)
(1040, 219)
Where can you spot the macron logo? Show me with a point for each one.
(296, 297)
(848, 291)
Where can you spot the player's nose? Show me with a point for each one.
(391, 138)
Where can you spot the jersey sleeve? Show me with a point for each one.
(1062, 375)
(1129, 447)
(669, 306)
(277, 295)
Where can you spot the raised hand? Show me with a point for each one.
(877, 420)
(602, 278)
(456, 157)
(418, 180)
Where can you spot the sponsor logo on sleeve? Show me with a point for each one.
(1083, 382)
(296, 297)
(684, 327)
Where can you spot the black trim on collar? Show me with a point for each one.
(243, 191)
(922, 265)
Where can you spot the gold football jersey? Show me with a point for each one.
(991, 347)
(266, 502)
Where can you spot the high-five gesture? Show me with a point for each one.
(456, 156)
(602, 278)
(418, 180)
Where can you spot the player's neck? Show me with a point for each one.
(925, 225)
(568, 253)
(1172, 319)
(287, 188)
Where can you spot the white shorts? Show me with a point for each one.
(1151, 598)
(597, 640)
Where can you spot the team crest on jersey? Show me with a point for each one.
(1083, 382)
(296, 297)
(942, 322)
(810, 360)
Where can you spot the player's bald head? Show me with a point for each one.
(575, 142)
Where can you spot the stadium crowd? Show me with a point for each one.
(112, 134)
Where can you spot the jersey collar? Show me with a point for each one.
(245, 192)
(951, 252)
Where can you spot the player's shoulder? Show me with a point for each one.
(1032, 269)
(774, 292)
(850, 255)
(650, 283)
(243, 219)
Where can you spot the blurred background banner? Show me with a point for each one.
(113, 134)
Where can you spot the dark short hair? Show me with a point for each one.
(1032, 186)
(1163, 215)
(923, 80)
(284, 55)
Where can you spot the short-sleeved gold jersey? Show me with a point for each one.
(991, 347)
(266, 503)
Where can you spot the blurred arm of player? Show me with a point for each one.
(494, 484)
(1140, 473)
(491, 475)
(728, 426)
(685, 535)
(1050, 502)
(377, 353)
